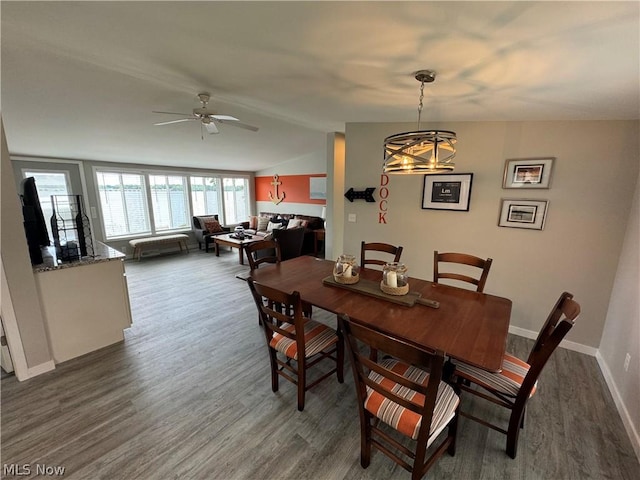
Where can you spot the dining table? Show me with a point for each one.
(466, 325)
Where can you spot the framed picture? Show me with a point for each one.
(527, 173)
(529, 214)
(447, 192)
(318, 188)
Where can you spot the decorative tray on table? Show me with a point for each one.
(371, 288)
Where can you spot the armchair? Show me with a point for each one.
(203, 235)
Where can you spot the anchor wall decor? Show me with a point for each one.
(277, 198)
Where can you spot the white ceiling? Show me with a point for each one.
(80, 79)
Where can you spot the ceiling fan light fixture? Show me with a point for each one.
(207, 117)
(420, 151)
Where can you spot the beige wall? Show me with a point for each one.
(19, 274)
(622, 328)
(590, 200)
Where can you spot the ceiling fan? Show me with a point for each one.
(207, 117)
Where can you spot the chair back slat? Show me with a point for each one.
(378, 247)
(462, 259)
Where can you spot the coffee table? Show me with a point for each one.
(227, 240)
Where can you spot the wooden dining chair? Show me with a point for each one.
(269, 251)
(517, 382)
(264, 251)
(378, 247)
(396, 393)
(295, 342)
(461, 259)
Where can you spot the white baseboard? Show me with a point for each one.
(622, 409)
(576, 347)
(39, 369)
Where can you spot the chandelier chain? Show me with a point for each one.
(420, 104)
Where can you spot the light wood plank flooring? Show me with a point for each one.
(188, 396)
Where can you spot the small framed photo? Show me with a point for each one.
(447, 192)
(527, 173)
(529, 214)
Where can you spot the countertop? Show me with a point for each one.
(102, 253)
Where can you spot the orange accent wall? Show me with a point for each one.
(295, 188)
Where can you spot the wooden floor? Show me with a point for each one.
(188, 395)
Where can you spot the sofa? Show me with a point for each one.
(307, 223)
(204, 228)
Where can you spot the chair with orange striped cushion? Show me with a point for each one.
(295, 342)
(397, 393)
(518, 380)
(461, 267)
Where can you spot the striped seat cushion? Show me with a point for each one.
(317, 337)
(403, 419)
(507, 382)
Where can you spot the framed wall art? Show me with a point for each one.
(527, 173)
(447, 192)
(529, 214)
(318, 188)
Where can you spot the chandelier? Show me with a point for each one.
(420, 151)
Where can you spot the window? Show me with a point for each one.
(48, 183)
(139, 203)
(236, 200)
(124, 204)
(205, 193)
(169, 201)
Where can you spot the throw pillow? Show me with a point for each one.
(253, 222)
(294, 223)
(263, 222)
(273, 226)
(212, 226)
(205, 218)
(304, 219)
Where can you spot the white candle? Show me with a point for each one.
(346, 270)
(392, 280)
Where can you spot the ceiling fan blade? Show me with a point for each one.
(175, 121)
(173, 113)
(211, 128)
(238, 124)
(225, 117)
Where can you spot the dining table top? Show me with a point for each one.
(467, 325)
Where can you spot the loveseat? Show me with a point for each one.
(308, 223)
(205, 228)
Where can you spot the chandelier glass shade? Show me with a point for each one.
(420, 151)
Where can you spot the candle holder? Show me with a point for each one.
(395, 280)
(346, 270)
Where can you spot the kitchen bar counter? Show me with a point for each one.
(102, 253)
(85, 308)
